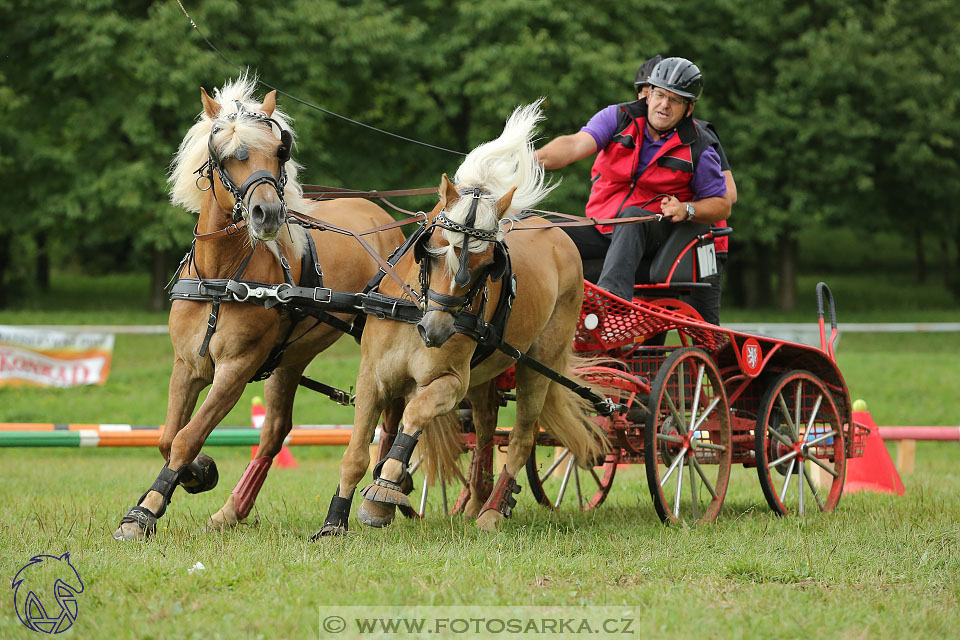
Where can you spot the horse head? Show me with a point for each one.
(248, 155)
(460, 249)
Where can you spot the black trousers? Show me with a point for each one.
(621, 266)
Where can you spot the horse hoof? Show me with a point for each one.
(331, 531)
(472, 509)
(386, 492)
(376, 514)
(490, 521)
(130, 531)
(203, 475)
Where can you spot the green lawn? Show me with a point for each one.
(879, 567)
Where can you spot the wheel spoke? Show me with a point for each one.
(782, 458)
(800, 485)
(821, 438)
(703, 476)
(673, 465)
(798, 402)
(813, 489)
(596, 478)
(710, 445)
(696, 399)
(693, 491)
(813, 417)
(709, 409)
(786, 415)
(416, 465)
(823, 465)
(676, 495)
(566, 479)
(681, 424)
(668, 438)
(556, 463)
(786, 482)
(423, 500)
(576, 481)
(779, 436)
(682, 389)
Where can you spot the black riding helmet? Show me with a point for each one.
(644, 72)
(678, 75)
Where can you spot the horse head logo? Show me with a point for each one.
(45, 593)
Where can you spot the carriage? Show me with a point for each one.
(261, 304)
(715, 398)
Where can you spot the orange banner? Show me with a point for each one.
(34, 356)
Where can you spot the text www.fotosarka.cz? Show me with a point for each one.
(477, 621)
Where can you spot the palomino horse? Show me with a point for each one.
(246, 178)
(430, 365)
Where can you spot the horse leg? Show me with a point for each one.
(392, 482)
(279, 391)
(355, 461)
(486, 405)
(228, 384)
(531, 394)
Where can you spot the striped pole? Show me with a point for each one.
(118, 436)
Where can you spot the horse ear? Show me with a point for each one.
(448, 193)
(503, 204)
(269, 103)
(210, 106)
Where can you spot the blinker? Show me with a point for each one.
(241, 154)
(463, 273)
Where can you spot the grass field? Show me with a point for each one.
(878, 567)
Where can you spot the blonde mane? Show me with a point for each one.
(496, 167)
(235, 131)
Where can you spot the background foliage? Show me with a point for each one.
(835, 115)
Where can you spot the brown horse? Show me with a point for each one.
(430, 365)
(246, 179)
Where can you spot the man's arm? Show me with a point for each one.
(565, 150)
(706, 211)
(731, 193)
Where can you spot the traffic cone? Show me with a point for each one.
(874, 471)
(257, 414)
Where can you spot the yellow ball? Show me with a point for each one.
(859, 405)
(256, 400)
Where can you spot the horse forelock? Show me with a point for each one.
(234, 131)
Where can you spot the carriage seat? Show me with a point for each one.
(689, 246)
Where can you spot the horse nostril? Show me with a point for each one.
(257, 213)
(423, 335)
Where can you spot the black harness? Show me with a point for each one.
(255, 179)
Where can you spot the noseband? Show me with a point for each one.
(256, 178)
(455, 305)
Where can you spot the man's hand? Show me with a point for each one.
(673, 209)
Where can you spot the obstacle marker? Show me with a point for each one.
(875, 470)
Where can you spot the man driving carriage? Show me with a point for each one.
(646, 148)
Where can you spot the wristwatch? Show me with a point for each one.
(690, 211)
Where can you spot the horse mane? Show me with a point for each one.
(496, 167)
(234, 132)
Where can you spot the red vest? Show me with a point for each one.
(669, 172)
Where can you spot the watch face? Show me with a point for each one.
(690, 211)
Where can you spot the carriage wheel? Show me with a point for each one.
(688, 451)
(798, 430)
(555, 474)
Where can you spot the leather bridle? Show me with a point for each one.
(255, 179)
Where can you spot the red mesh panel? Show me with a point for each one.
(621, 323)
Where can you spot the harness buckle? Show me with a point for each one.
(322, 294)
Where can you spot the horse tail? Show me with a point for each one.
(442, 445)
(567, 417)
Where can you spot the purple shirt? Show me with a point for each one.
(707, 181)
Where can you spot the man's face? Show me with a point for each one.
(665, 109)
